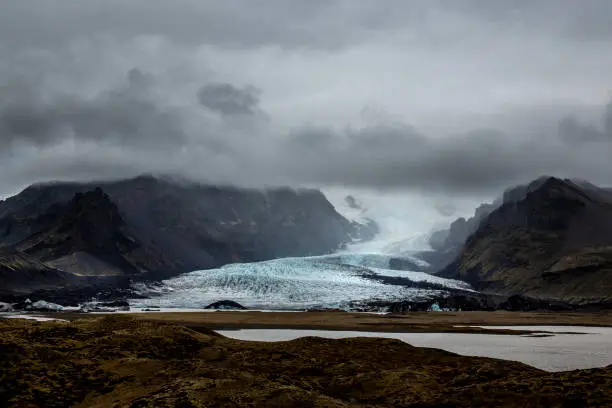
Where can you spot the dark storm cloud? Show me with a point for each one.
(229, 100)
(375, 139)
(126, 115)
(325, 24)
(141, 133)
(482, 160)
(573, 131)
(71, 106)
(390, 155)
(234, 23)
(589, 20)
(608, 121)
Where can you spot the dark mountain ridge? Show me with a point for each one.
(552, 239)
(155, 228)
(447, 244)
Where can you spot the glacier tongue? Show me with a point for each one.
(294, 283)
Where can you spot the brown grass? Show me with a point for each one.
(409, 322)
(119, 361)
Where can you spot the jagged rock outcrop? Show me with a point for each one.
(225, 305)
(553, 242)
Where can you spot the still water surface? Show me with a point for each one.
(557, 352)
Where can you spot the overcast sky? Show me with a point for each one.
(457, 98)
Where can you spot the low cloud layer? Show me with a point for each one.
(460, 98)
(127, 115)
(131, 128)
(229, 100)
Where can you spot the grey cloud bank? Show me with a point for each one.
(323, 24)
(469, 96)
(229, 100)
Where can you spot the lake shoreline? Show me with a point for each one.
(415, 322)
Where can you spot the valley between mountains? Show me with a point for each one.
(160, 242)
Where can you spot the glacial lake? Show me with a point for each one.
(556, 352)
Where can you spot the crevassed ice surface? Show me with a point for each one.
(294, 283)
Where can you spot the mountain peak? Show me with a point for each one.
(565, 189)
(551, 238)
(93, 211)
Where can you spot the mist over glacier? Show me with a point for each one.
(405, 219)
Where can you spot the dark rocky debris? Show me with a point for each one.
(226, 305)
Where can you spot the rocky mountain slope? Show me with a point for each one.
(157, 228)
(85, 236)
(447, 244)
(22, 273)
(553, 240)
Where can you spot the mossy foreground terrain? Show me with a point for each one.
(120, 362)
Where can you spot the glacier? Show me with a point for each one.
(329, 281)
(360, 273)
